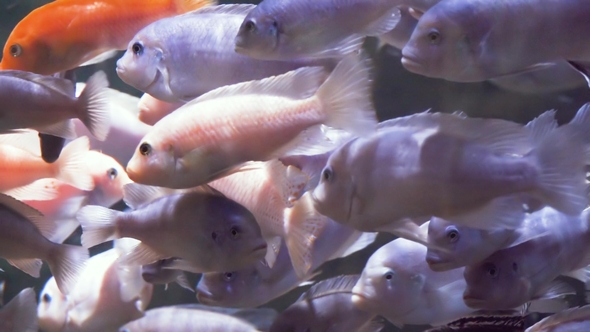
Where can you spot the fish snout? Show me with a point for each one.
(435, 262)
(410, 61)
(205, 297)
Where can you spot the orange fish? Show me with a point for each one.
(65, 34)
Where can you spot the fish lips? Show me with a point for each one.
(412, 62)
(206, 297)
(437, 263)
(473, 302)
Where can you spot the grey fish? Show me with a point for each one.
(156, 274)
(292, 29)
(476, 40)
(206, 232)
(20, 314)
(24, 241)
(326, 306)
(180, 58)
(46, 104)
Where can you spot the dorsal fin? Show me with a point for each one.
(297, 84)
(230, 9)
(340, 284)
(59, 85)
(569, 315)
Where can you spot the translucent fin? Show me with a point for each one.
(346, 97)
(66, 264)
(136, 195)
(71, 166)
(303, 226)
(22, 310)
(553, 322)
(183, 282)
(272, 250)
(98, 224)
(131, 282)
(100, 58)
(297, 84)
(140, 255)
(40, 190)
(59, 85)
(542, 125)
(181, 264)
(233, 9)
(506, 212)
(340, 284)
(384, 24)
(288, 180)
(27, 140)
(555, 288)
(31, 267)
(65, 129)
(341, 48)
(93, 106)
(361, 243)
(183, 6)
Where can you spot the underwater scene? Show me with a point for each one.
(294, 165)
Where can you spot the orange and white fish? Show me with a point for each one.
(65, 34)
(257, 120)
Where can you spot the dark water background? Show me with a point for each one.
(396, 92)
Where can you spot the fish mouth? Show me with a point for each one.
(411, 62)
(437, 264)
(473, 302)
(205, 297)
(261, 247)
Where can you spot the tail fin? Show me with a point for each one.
(71, 166)
(66, 264)
(94, 111)
(562, 180)
(346, 97)
(22, 310)
(303, 226)
(98, 224)
(184, 6)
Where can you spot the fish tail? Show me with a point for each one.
(98, 225)
(72, 167)
(184, 6)
(346, 97)
(562, 179)
(303, 226)
(94, 111)
(66, 264)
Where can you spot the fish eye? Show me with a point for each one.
(145, 149)
(250, 26)
(112, 173)
(229, 276)
(327, 174)
(388, 275)
(492, 270)
(137, 48)
(234, 233)
(15, 50)
(453, 234)
(46, 298)
(433, 37)
(213, 236)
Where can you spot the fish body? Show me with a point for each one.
(186, 320)
(326, 306)
(63, 35)
(513, 276)
(475, 40)
(46, 103)
(286, 30)
(24, 241)
(397, 284)
(258, 120)
(106, 296)
(20, 314)
(447, 166)
(210, 233)
(156, 274)
(257, 284)
(160, 58)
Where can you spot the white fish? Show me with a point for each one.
(20, 314)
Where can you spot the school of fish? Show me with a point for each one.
(255, 155)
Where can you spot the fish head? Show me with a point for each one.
(439, 47)
(387, 276)
(52, 309)
(334, 196)
(235, 235)
(23, 52)
(494, 284)
(259, 34)
(461, 244)
(153, 163)
(231, 289)
(143, 66)
(109, 179)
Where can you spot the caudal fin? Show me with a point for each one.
(66, 263)
(346, 97)
(94, 111)
(71, 166)
(562, 182)
(98, 224)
